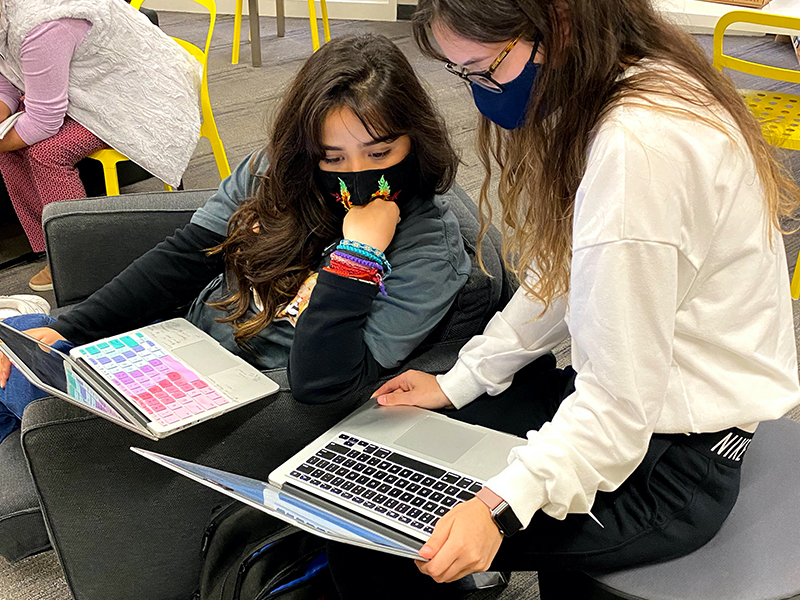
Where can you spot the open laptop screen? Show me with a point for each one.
(51, 371)
(44, 363)
(275, 502)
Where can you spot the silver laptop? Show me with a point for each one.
(287, 507)
(379, 479)
(400, 468)
(155, 381)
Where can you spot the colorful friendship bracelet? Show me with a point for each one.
(375, 278)
(367, 252)
(364, 247)
(352, 267)
(361, 261)
(346, 267)
(360, 252)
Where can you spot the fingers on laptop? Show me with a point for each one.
(5, 370)
(45, 334)
(413, 388)
(464, 541)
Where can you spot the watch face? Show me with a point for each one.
(506, 520)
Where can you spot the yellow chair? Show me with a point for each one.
(279, 11)
(777, 112)
(109, 157)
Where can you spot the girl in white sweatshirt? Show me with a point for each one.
(643, 206)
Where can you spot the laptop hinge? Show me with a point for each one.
(110, 394)
(350, 515)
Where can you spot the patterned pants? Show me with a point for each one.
(45, 172)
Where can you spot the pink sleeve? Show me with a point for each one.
(45, 56)
(9, 95)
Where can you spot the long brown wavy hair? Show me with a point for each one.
(276, 238)
(588, 44)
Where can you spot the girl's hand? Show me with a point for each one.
(464, 541)
(43, 334)
(413, 388)
(372, 224)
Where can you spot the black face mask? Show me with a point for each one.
(397, 183)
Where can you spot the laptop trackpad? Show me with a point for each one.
(205, 357)
(440, 439)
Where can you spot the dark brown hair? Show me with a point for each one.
(588, 44)
(275, 239)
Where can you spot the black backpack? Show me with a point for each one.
(248, 555)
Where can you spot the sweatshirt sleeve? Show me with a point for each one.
(162, 280)
(45, 55)
(9, 95)
(622, 317)
(169, 276)
(329, 358)
(515, 337)
(624, 293)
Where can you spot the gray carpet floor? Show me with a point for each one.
(243, 99)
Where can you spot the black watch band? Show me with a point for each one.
(505, 519)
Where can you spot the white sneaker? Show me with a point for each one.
(22, 304)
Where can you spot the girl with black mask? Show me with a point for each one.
(330, 239)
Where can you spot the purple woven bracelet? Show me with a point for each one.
(360, 261)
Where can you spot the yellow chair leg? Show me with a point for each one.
(795, 287)
(111, 179)
(312, 17)
(325, 25)
(219, 157)
(237, 32)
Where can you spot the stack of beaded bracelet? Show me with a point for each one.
(359, 261)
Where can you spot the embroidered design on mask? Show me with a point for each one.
(384, 193)
(343, 197)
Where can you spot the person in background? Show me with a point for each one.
(325, 245)
(87, 75)
(644, 206)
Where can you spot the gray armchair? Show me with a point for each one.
(122, 527)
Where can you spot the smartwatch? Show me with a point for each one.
(502, 514)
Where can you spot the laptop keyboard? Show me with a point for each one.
(386, 482)
(163, 388)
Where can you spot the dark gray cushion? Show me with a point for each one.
(756, 554)
(90, 241)
(127, 529)
(22, 530)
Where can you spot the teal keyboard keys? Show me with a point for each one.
(102, 345)
(129, 341)
(92, 350)
(116, 344)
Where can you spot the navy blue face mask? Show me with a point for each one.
(509, 108)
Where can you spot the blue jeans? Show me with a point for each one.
(19, 392)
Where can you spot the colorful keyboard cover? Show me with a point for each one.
(159, 385)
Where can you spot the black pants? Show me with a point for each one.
(674, 502)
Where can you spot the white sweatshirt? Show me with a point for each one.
(679, 312)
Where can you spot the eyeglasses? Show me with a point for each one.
(484, 78)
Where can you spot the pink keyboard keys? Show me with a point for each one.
(205, 402)
(217, 399)
(194, 407)
(182, 412)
